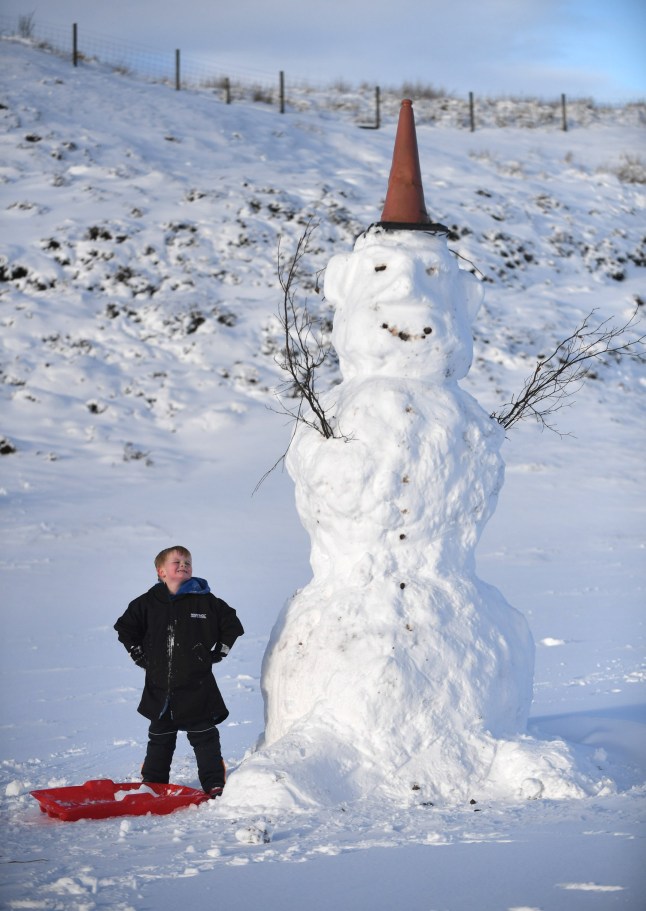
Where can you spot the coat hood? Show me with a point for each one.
(193, 586)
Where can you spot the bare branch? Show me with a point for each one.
(304, 352)
(277, 462)
(558, 377)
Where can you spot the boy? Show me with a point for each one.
(176, 631)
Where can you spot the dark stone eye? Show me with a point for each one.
(380, 268)
(428, 330)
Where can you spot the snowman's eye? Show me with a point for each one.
(380, 268)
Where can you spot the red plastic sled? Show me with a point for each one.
(103, 798)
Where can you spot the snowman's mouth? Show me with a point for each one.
(407, 336)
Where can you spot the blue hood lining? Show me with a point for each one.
(193, 586)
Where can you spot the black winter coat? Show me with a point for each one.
(177, 635)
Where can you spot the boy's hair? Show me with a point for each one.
(160, 559)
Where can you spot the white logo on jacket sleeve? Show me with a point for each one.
(198, 616)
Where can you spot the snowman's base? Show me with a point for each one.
(310, 769)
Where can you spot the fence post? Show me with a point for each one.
(282, 92)
(75, 44)
(227, 89)
(564, 113)
(472, 118)
(177, 71)
(377, 108)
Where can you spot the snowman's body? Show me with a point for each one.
(396, 670)
(396, 642)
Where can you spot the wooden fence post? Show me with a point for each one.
(75, 44)
(377, 123)
(177, 71)
(564, 113)
(282, 92)
(472, 118)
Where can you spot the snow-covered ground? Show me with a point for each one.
(138, 307)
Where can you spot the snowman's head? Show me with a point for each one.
(403, 307)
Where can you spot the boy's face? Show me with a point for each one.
(175, 570)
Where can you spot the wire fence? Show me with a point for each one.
(368, 105)
(126, 56)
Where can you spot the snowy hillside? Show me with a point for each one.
(138, 304)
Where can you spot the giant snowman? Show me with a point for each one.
(396, 671)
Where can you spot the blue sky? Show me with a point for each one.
(496, 47)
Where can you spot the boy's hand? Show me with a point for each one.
(219, 652)
(137, 654)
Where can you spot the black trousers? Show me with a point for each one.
(205, 740)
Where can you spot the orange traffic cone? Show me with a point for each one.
(405, 207)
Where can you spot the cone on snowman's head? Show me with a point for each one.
(405, 208)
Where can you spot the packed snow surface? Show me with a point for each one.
(139, 338)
